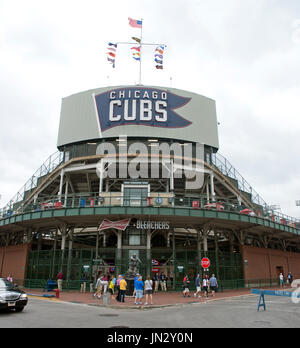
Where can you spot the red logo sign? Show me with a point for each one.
(205, 262)
(119, 225)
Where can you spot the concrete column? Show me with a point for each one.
(205, 247)
(54, 254)
(66, 193)
(62, 173)
(217, 254)
(149, 258)
(207, 192)
(63, 231)
(104, 240)
(119, 253)
(70, 255)
(168, 239)
(199, 250)
(172, 176)
(212, 187)
(97, 245)
(101, 177)
(174, 258)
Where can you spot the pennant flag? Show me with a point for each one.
(136, 48)
(135, 23)
(136, 58)
(111, 54)
(159, 51)
(136, 39)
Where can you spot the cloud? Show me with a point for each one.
(243, 54)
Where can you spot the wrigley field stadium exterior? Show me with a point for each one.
(138, 172)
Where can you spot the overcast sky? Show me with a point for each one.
(245, 55)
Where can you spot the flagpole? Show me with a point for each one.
(140, 76)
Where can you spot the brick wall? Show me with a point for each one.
(13, 259)
(263, 263)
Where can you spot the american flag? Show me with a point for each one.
(135, 23)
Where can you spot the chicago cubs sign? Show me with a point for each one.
(140, 106)
(138, 112)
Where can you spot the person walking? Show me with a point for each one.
(60, 278)
(281, 280)
(198, 286)
(148, 290)
(134, 285)
(163, 282)
(213, 284)
(205, 285)
(139, 290)
(105, 283)
(9, 278)
(118, 297)
(123, 287)
(290, 278)
(186, 284)
(111, 286)
(98, 287)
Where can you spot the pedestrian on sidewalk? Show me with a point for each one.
(156, 280)
(148, 290)
(281, 280)
(198, 286)
(105, 283)
(60, 278)
(163, 282)
(98, 286)
(134, 283)
(205, 285)
(83, 283)
(9, 278)
(290, 278)
(123, 287)
(111, 286)
(186, 284)
(139, 289)
(213, 284)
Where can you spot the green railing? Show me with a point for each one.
(85, 200)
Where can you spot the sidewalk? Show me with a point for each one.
(160, 299)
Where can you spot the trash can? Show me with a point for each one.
(106, 299)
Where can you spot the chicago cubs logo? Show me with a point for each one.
(140, 106)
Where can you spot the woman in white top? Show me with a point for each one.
(205, 285)
(148, 290)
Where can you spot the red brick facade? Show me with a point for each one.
(13, 259)
(266, 263)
